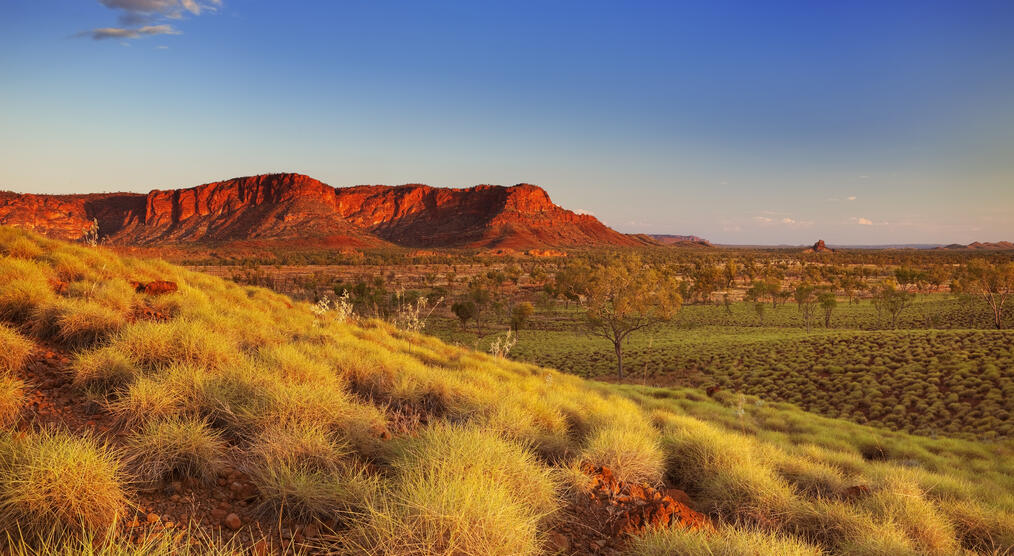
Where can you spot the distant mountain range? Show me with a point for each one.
(297, 209)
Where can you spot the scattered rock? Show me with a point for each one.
(559, 542)
(857, 491)
(158, 287)
(232, 521)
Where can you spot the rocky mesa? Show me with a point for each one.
(295, 207)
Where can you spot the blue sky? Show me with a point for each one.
(744, 122)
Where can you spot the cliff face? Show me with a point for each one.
(481, 216)
(291, 207)
(70, 216)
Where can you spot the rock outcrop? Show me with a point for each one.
(819, 247)
(294, 207)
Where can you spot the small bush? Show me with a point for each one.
(52, 481)
(14, 350)
(81, 323)
(152, 345)
(458, 491)
(147, 398)
(104, 369)
(19, 299)
(633, 455)
(176, 448)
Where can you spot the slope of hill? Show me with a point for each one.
(172, 417)
(684, 241)
(291, 207)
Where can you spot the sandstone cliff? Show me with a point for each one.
(294, 207)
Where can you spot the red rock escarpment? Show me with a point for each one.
(296, 207)
(480, 216)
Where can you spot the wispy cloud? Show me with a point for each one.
(119, 33)
(141, 18)
(783, 221)
(852, 198)
(866, 221)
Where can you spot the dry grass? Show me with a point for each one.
(105, 370)
(53, 481)
(12, 399)
(730, 541)
(14, 350)
(303, 471)
(458, 491)
(176, 448)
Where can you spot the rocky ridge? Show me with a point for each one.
(295, 207)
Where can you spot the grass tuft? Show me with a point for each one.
(14, 350)
(52, 481)
(176, 448)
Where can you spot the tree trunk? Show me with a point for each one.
(619, 359)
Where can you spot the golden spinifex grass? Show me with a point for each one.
(14, 350)
(176, 448)
(483, 449)
(53, 480)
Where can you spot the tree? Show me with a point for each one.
(909, 278)
(760, 307)
(706, 279)
(774, 289)
(481, 298)
(520, 314)
(890, 299)
(624, 296)
(465, 311)
(827, 303)
(993, 282)
(806, 298)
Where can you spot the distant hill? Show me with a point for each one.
(981, 246)
(688, 241)
(297, 208)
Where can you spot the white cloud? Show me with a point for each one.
(867, 222)
(140, 18)
(763, 219)
(583, 211)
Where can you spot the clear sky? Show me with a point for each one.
(744, 122)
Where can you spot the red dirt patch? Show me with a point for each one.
(601, 520)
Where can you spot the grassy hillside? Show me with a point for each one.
(139, 420)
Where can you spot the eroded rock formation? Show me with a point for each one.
(294, 207)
